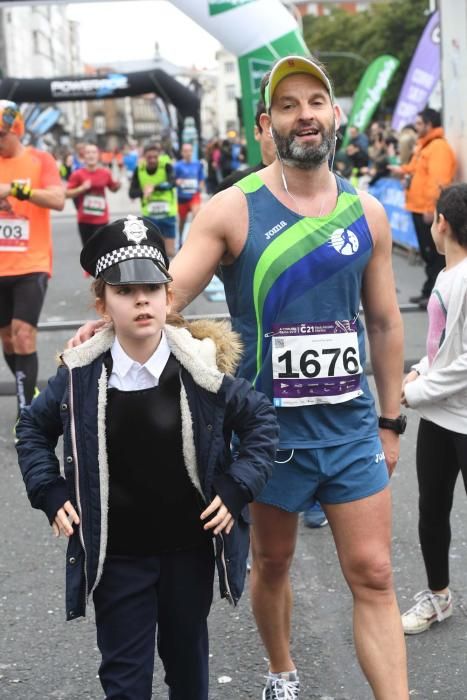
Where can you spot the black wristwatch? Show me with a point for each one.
(398, 425)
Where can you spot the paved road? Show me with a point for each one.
(42, 657)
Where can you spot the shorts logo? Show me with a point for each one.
(275, 229)
(344, 241)
(379, 457)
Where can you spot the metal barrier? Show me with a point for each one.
(8, 388)
(74, 325)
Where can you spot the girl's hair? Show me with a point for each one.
(173, 318)
(452, 204)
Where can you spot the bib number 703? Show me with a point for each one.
(311, 364)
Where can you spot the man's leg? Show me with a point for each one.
(434, 262)
(26, 362)
(28, 298)
(362, 532)
(273, 537)
(168, 229)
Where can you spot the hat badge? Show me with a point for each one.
(134, 229)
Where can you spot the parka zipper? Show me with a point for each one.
(228, 591)
(77, 486)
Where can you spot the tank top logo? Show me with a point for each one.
(344, 241)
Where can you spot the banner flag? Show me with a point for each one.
(422, 76)
(369, 92)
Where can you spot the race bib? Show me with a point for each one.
(160, 208)
(189, 186)
(93, 205)
(315, 363)
(14, 234)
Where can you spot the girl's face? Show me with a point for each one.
(138, 311)
(438, 232)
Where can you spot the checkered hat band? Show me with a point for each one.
(133, 251)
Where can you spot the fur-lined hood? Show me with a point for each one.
(206, 349)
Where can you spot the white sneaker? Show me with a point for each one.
(430, 607)
(282, 686)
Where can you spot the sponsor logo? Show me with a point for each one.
(99, 87)
(379, 457)
(275, 229)
(344, 241)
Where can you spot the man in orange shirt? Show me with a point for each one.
(30, 186)
(432, 167)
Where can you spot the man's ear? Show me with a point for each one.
(337, 116)
(265, 121)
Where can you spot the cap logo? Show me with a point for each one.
(134, 229)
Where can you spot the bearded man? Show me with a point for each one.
(300, 249)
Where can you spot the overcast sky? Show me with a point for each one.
(130, 30)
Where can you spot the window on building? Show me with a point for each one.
(229, 67)
(230, 92)
(99, 123)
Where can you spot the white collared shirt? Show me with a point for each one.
(129, 375)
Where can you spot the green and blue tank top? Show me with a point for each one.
(294, 295)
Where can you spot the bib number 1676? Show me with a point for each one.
(311, 364)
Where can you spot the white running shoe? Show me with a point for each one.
(430, 607)
(282, 686)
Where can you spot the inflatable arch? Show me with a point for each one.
(256, 31)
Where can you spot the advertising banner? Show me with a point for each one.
(422, 76)
(370, 90)
(390, 193)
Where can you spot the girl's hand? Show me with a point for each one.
(223, 519)
(64, 519)
(409, 378)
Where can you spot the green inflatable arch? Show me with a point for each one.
(258, 32)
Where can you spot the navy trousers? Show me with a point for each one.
(170, 594)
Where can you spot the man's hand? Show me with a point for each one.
(391, 445)
(85, 333)
(86, 185)
(428, 217)
(63, 523)
(5, 206)
(148, 190)
(5, 190)
(223, 520)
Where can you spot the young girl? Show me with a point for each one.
(437, 388)
(147, 414)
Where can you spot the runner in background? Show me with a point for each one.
(87, 187)
(30, 186)
(154, 183)
(189, 178)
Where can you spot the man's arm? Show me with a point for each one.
(52, 197)
(383, 323)
(216, 234)
(135, 191)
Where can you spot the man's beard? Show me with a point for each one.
(306, 156)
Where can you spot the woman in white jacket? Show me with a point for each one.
(437, 388)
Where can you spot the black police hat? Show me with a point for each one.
(127, 251)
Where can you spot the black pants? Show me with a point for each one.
(434, 262)
(170, 593)
(441, 455)
(86, 231)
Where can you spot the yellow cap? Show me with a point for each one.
(289, 65)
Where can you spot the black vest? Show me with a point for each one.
(153, 505)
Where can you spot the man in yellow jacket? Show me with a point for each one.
(432, 167)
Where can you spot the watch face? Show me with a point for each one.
(398, 425)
